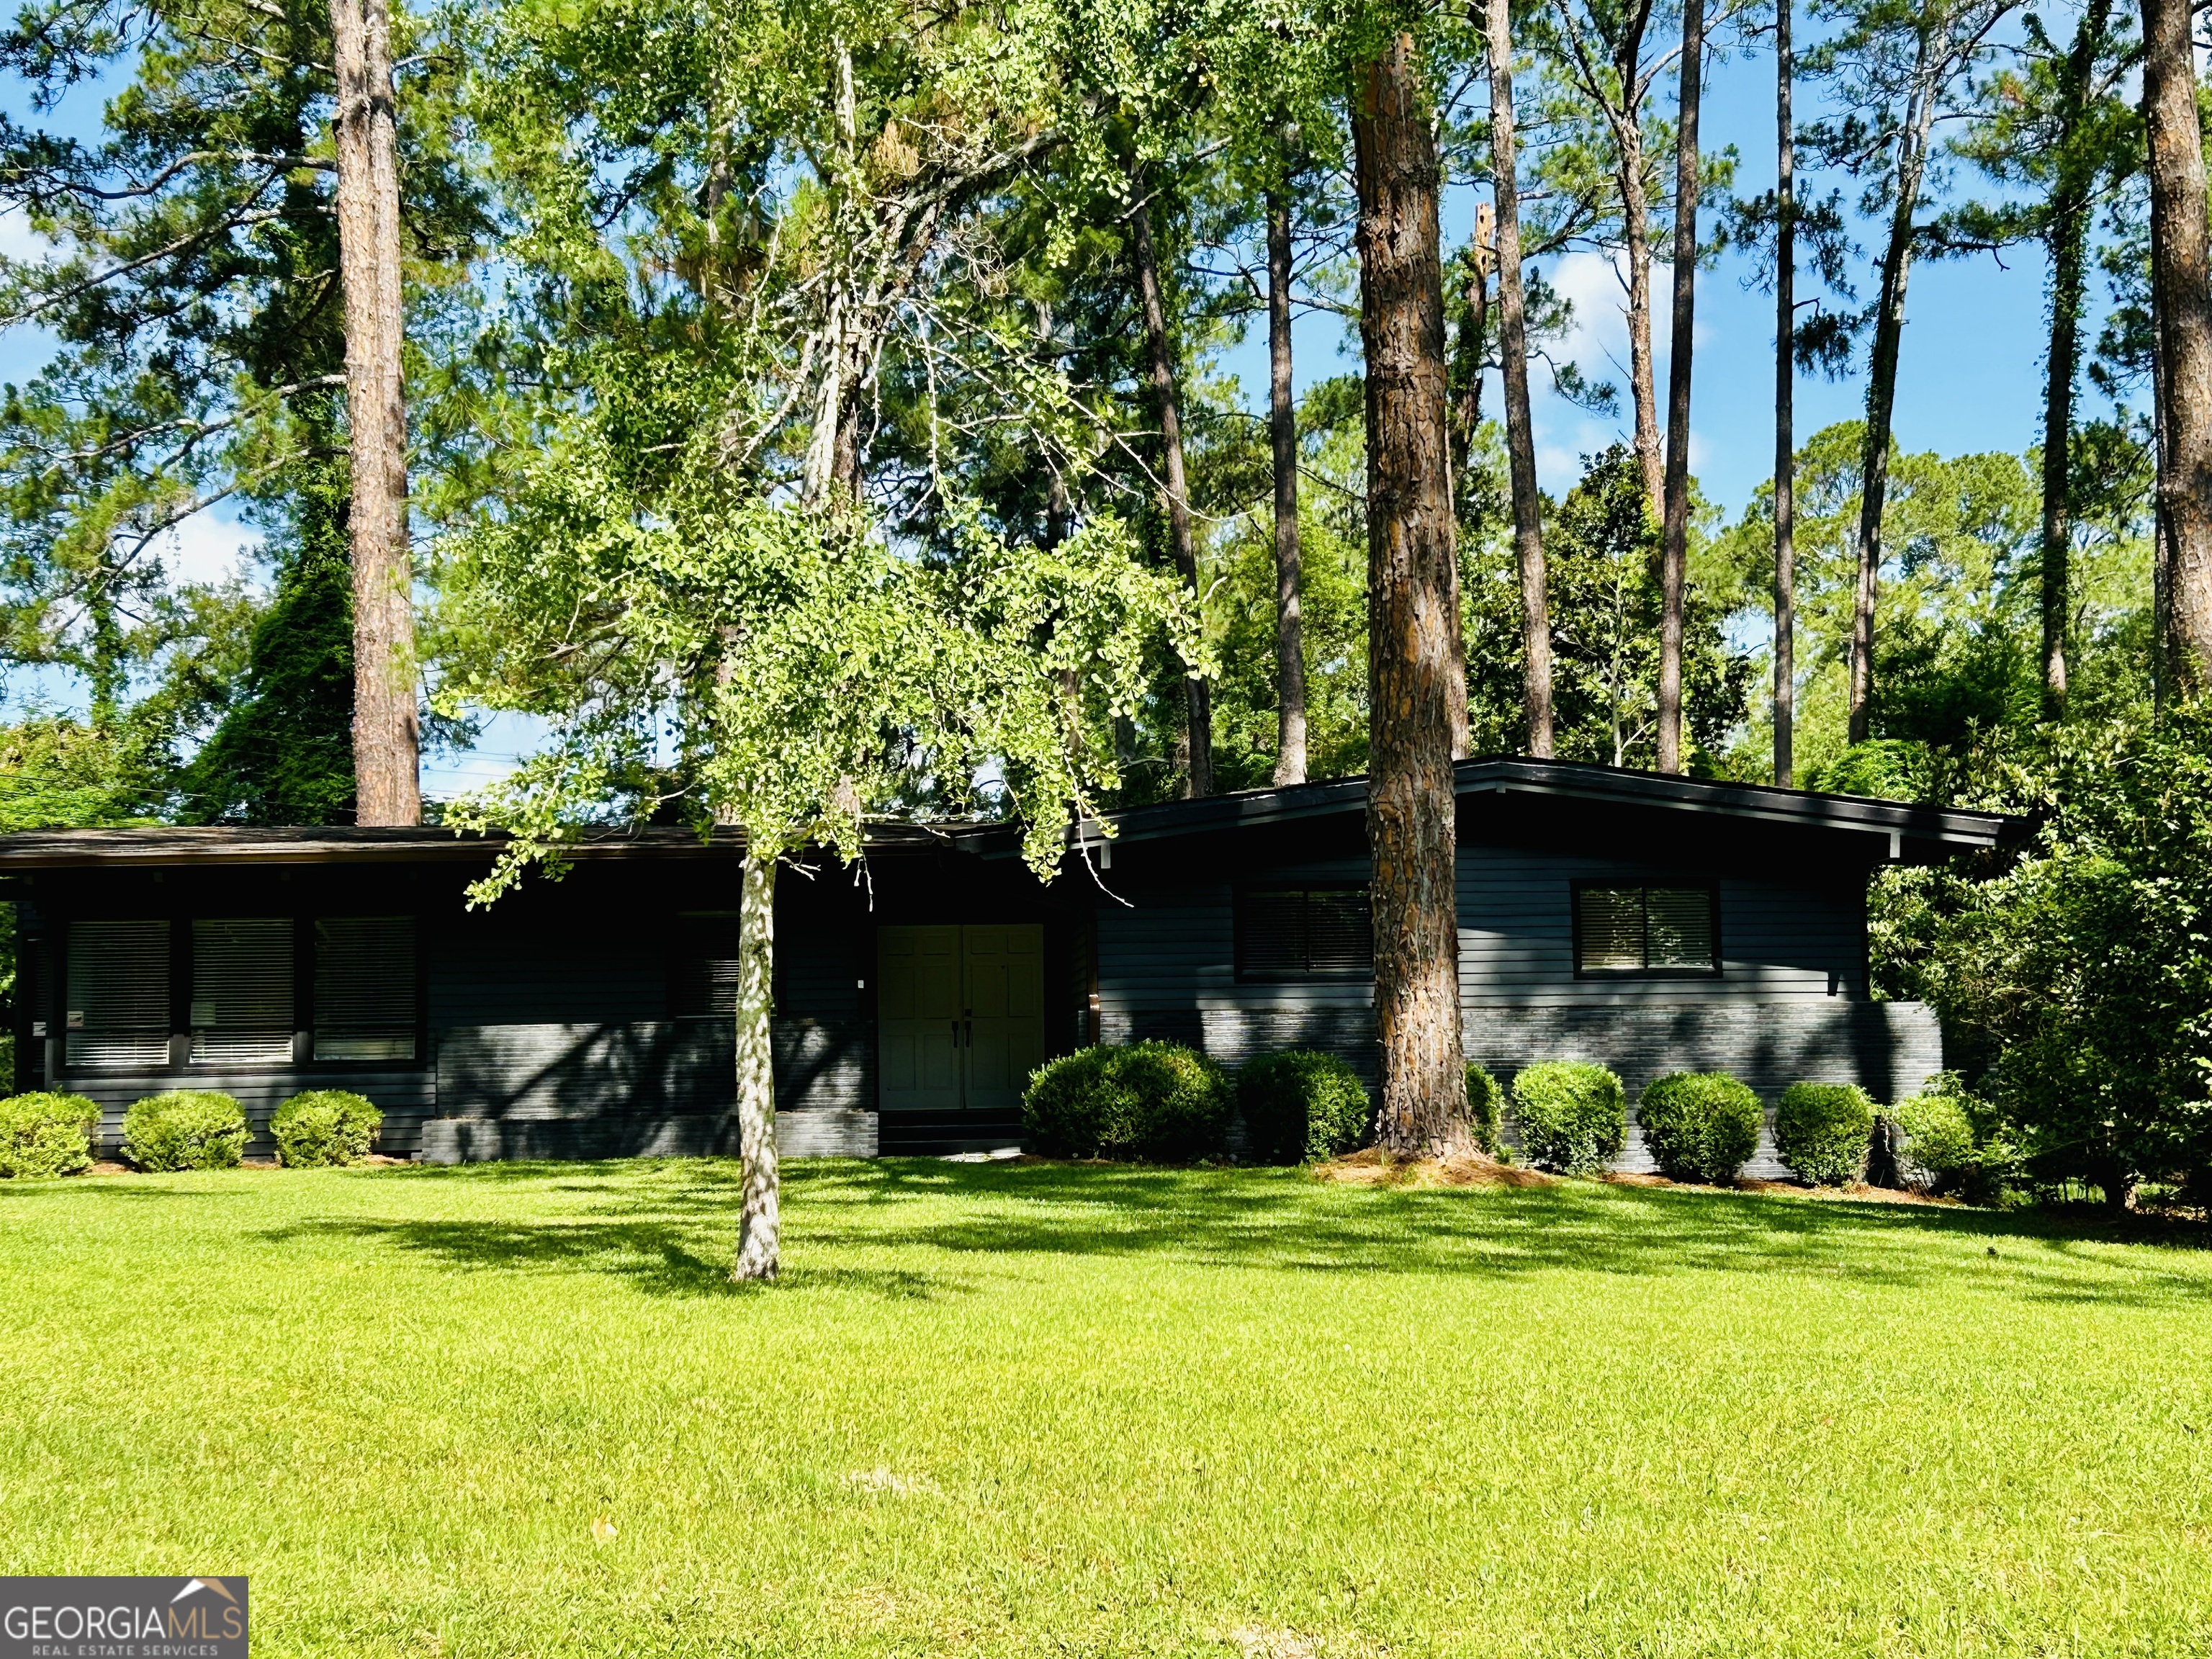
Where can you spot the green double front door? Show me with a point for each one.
(959, 1016)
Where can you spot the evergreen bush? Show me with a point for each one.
(185, 1129)
(1302, 1106)
(1700, 1126)
(1823, 1130)
(1155, 1100)
(1573, 1114)
(323, 1127)
(1485, 1100)
(46, 1134)
(1937, 1144)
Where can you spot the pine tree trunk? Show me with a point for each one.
(1283, 431)
(2182, 277)
(1882, 398)
(1785, 423)
(388, 787)
(1675, 557)
(2067, 239)
(760, 1215)
(1414, 621)
(1636, 220)
(1513, 370)
(1198, 704)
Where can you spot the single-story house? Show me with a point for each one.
(1652, 922)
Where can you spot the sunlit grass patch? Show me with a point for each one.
(1059, 1409)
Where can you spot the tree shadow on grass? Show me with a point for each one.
(662, 1227)
(658, 1258)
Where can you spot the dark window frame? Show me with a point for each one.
(60, 934)
(1246, 974)
(1607, 884)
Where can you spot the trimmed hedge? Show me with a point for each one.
(1302, 1106)
(1574, 1115)
(1485, 1101)
(323, 1127)
(46, 1134)
(1157, 1100)
(1823, 1131)
(185, 1129)
(1700, 1126)
(1937, 1141)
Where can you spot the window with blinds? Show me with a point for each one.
(1304, 932)
(241, 1001)
(365, 973)
(703, 967)
(1646, 930)
(117, 1016)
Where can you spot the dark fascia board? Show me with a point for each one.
(169, 846)
(1951, 830)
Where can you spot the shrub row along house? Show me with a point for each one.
(1652, 923)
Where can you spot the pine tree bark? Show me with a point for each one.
(2181, 271)
(760, 1212)
(1197, 703)
(1413, 621)
(2066, 237)
(1673, 559)
(388, 787)
(1881, 389)
(1785, 390)
(1513, 370)
(1283, 431)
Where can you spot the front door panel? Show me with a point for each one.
(918, 1017)
(959, 1016)
(1005, 967)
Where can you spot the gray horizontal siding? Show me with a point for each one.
(405, 1098)
(1175, 948)
(1779, 941)
(1889, 1048)
(598, 976)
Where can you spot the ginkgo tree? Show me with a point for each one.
(736, 224)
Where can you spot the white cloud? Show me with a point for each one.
(18, 241)
(204, 548)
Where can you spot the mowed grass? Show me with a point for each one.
(1044, 1409)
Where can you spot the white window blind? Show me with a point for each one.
(365, 987)
(241, 1006)
(1644, 930)
(118, 1013)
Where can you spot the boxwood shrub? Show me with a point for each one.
(1823, 1130)
(321, 1127)
(1302, 1106)
(1158, 1100)
(1484, 1099)
(1573, 1114)
(185, 1129)
(46, 1134)
(1700, 1126)
(1937, 1146)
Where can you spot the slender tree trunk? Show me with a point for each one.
(760, 1215)
(1785, 391)
(1636, 221)
(2161, 545)
(1197, 703)
(1674, 560)
(2182, 277)
(1881, 396)
(1414, 623)
(1513, 370)
(2067, 239)
(388, 787)
(1283, 430)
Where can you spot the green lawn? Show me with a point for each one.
(1043, 1409)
